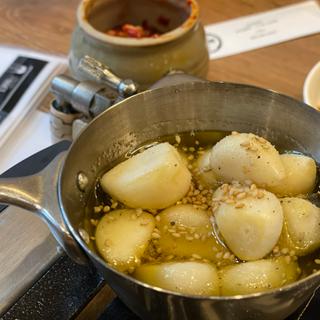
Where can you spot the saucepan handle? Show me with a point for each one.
(36, 190)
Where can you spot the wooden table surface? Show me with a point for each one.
(47, 26)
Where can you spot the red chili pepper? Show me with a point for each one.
(131, 31)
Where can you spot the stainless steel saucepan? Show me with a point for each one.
(58, 194)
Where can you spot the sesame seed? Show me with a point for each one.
(245, 144)
(155, 235)
(94, 222)
(196, 256)
(287, 259)
(260, 194)
(114, 205)
(253, 187)
(177, 138)
(292, 253)
(219, 255)
(84, 235)
(131, 269)
(276, 249)
(158, 218)
(97, 209)
(284, 250)
(226, 255)
(241, 195)
(317, 261)
(106, 209)
(189, 238)
(176, 235)
(239, 205)
(196, 236)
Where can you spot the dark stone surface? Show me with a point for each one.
(61, 293)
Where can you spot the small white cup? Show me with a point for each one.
(311, 87)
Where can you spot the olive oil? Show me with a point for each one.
(190, 145)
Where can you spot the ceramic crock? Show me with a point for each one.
(181, 45)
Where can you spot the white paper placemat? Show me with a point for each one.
(262, 29)
(26, 130)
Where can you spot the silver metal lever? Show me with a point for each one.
(100, 73)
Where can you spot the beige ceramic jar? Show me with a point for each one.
(180, 46)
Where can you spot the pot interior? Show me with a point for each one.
(199, 106)
(161, 15)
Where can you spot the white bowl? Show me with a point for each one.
(311, 87)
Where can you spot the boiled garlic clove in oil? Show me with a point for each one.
(257, 276)
(203, 171)
(301, 230)
(245, 156)
(249, 220)
(154, 179)
(300, 177)
(122, 237)
(188, 277)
